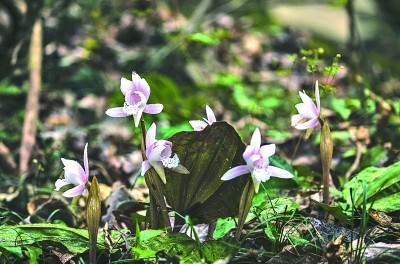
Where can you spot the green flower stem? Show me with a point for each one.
(155, 190)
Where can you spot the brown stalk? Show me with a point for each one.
(32, 104)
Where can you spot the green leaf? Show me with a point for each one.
(223, 227)
(216, 250)
(174, 244)
(335, 211)
(383, 186)
(75, 240)
(33, 254)
(207, 154)
(203, 38)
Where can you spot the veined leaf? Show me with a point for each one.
(74, 240)
(207, 154)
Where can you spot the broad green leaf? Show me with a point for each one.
(148, 234)
(207, 154)
(75, 240)
(383, 186)
(33, 254)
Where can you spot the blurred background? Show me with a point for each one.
(61, 64)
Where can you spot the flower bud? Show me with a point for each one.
(93, 212)
(326, 148)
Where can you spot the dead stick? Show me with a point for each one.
(32, 104)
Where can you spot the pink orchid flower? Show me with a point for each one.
(257, 159)
(159, 155)
(74, 174)
(307, 111)
(199, 125)
(136, 93)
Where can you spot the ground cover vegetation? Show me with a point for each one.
(198, 132)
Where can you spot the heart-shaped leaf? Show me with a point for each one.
(207, 154)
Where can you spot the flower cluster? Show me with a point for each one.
(159, 152)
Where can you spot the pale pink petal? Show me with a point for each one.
(126, 86)
(144, 88)
(78, 190)
(153, 109)
(253, 160)
(267, 150)
(296, 119)
(155, 155)
(280, 173)
(160, 170)
(180, 169)
(145, 167)
(256, 139)
(73, 172)
(137, 117)
(116, 112)
(60, 183)
(249, 151)
(198, 125)
(86, 161)
(210, 115)
(307, 111)
(235, 172)
(136, 98)
(151, 136)
(306, 99)
(317, 97)
(306, 125)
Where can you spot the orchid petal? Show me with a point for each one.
(249, 151)
(307, 111)
(74, 172)
(235, 172)
(155, 155)
(198, 125)
(86, 162)
(78, 190)
(317, 96)
(210, 115)
(153, 109)
(160, 171)
(181, 169)
(136, 98)
(151, 136)
(116, 112)
(267, 151)
(306, 99)
(144, 87)
(60, 183)
(296, 119)
(253, 160)
(126, 86)
(145, 167)
(310, 123)
(256, 139)
(280, 173)
(137, 117)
